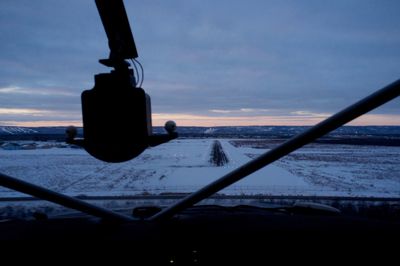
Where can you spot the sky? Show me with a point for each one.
(206, 62)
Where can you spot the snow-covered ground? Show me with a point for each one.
(183, 165)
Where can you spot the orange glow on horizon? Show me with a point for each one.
(159, 119)
(214, 121)
(211, 121)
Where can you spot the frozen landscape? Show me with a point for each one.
(185, 165)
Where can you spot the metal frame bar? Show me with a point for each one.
(359, 108)
(70, 202)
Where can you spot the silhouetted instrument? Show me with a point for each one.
(117, 111)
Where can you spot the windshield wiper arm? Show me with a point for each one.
(64, 200)
(359, 108)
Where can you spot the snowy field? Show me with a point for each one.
(184, 165)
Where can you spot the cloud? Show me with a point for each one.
(223, 111)
(28, 117)
(50, 99)
(254, 111)
(36, 91)
(204, 120)
(208, 58)
(310, 114)
(10, 90)
(19, 111)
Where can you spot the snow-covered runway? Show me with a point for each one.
(184, 165)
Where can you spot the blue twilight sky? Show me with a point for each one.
(207, 62)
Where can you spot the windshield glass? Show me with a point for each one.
(239, 79)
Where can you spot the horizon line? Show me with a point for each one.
(190, 120)
(80, 126)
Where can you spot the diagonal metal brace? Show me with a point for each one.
(52, 196)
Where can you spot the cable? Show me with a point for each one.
(141, 67)
(136, 73)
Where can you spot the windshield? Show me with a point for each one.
(238, 79)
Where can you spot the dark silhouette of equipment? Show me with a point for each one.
(117, 112)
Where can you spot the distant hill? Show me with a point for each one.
(58, 133)
(33, 133)
(16, 131)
